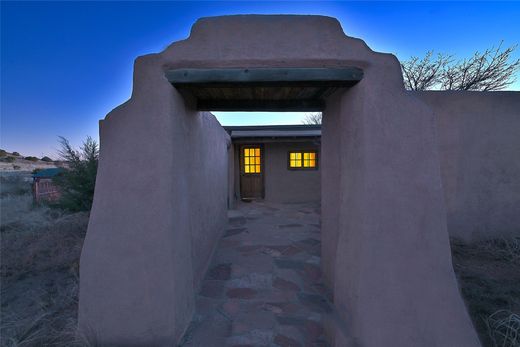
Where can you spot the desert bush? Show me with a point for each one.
(8, 159)
(14, 184)
(3, 153)
(30, 158)
(500, 249)
(504, 248)
(504, 329)
(16, 167)
(39, 266)
(489, 272)
(47, 159)
(39, 270)
(16, 154)
(78, 180)
(53, 321)
(49, 241)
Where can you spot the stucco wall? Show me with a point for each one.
(284, 185)
(151, 232)
(392, 266)
(208, 171)
(281, 184)
(479, 141)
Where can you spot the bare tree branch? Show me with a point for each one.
(312, 118)
(425, 73)
(490, 70)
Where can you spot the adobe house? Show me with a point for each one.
(279, 163)
(397, 170)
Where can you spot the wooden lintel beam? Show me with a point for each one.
(336, 77)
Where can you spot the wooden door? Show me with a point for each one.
(251, 172)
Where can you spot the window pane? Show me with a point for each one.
(246, 160)
(257, 152)
(246, 152)
(258, 168)
(257, 160)
(302, 159)
(246, 169)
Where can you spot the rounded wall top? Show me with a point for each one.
(271, 39)
(322, 24)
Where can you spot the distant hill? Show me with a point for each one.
(16, 162)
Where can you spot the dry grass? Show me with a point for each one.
(504, 329)
(489, 275)
(40, 251)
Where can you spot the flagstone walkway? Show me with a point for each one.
(263, 287)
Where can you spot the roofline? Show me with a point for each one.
(273, 127)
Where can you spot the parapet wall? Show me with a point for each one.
(479, 142)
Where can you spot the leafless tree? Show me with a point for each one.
(312, 118)
(490, 70)
(425, 73)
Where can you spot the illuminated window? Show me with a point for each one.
(303, 160)
(252, 160)
(295, 159)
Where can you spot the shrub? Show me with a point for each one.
(47, 159)
(504, 328)
(30, 158)
(13, 185)
(8, 159)
(16, 167)
(77, 182)
(3, 153)
(39, 269)
(17, 154)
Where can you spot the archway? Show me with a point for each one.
(385, 244)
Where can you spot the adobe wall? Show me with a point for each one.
(208, 148)
(392, 268)
(479, 139)
(160, 204)
(288, 186)
(387, 245)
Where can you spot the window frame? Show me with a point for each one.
(242, 159)
(301, 151)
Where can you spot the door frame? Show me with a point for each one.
(241, 172)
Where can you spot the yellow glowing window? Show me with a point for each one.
(252, 160)
(303, 160)
(295, 159)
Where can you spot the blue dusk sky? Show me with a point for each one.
(65, 65)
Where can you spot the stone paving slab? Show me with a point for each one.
(263, 287)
